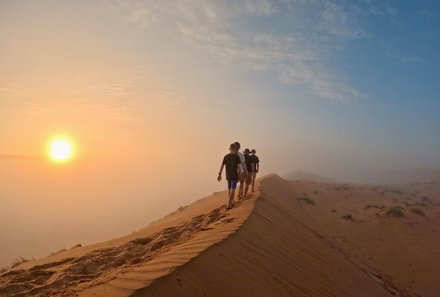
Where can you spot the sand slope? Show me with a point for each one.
(295, 238)
(119, 267)
(275, 253)
(395, 230)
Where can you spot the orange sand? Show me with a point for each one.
(295, 238)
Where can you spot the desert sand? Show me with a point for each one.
(291, 238)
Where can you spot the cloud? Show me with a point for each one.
(123, 86)
(404, 58)
(428, 13)
(10, 90)
(297, 40)
(135, 12)
(297, 55)
(380, 8)
(16, 157)
(396, 53)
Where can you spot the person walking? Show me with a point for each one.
(250, 167)
(256, 167)
(242, 176)
(233, 166)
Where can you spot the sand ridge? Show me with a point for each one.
(283, 250)
(293, 238)
(121, 266)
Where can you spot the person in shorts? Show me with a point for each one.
(233, 166)
(256, 167)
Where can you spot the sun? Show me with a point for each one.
(60, 150)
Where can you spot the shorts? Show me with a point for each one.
(232, 184)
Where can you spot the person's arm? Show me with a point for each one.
(253, 167)
(219, 178)
(257, 167)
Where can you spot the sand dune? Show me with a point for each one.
(395, 230)
(275, 253)
(119, 267)
(299, 175)
(290, 239)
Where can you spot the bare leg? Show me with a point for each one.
(253, 180)
(247, 181)
(240, 189)
(231, 198)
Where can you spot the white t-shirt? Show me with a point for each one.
(240, 154)
(242, 160)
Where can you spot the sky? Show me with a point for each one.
(153, 92)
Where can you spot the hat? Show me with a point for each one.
(246, 151)
(253, 151)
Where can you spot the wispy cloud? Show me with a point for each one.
(17, 157)
(298, 55)
(136, 11)
(428, 13)
(393, 52)
(10, 90)
(123, 86)
(380, 8)
(404, 58)
(294, 39)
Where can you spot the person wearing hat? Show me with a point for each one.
(233, 167)
(255, 167)
(249, 168)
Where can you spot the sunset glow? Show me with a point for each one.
(115, 113)
(60, 150)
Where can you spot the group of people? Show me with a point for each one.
(241, 167)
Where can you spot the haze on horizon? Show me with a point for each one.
(152, 93)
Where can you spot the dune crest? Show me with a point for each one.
(275, 253)
(121, 266)
(292, 238)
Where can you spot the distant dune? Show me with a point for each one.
(416, 175)
(383, 177)
(292, 238)
(300, 175)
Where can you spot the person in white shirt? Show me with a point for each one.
(242, 176)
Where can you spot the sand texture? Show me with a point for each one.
(291, 238)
